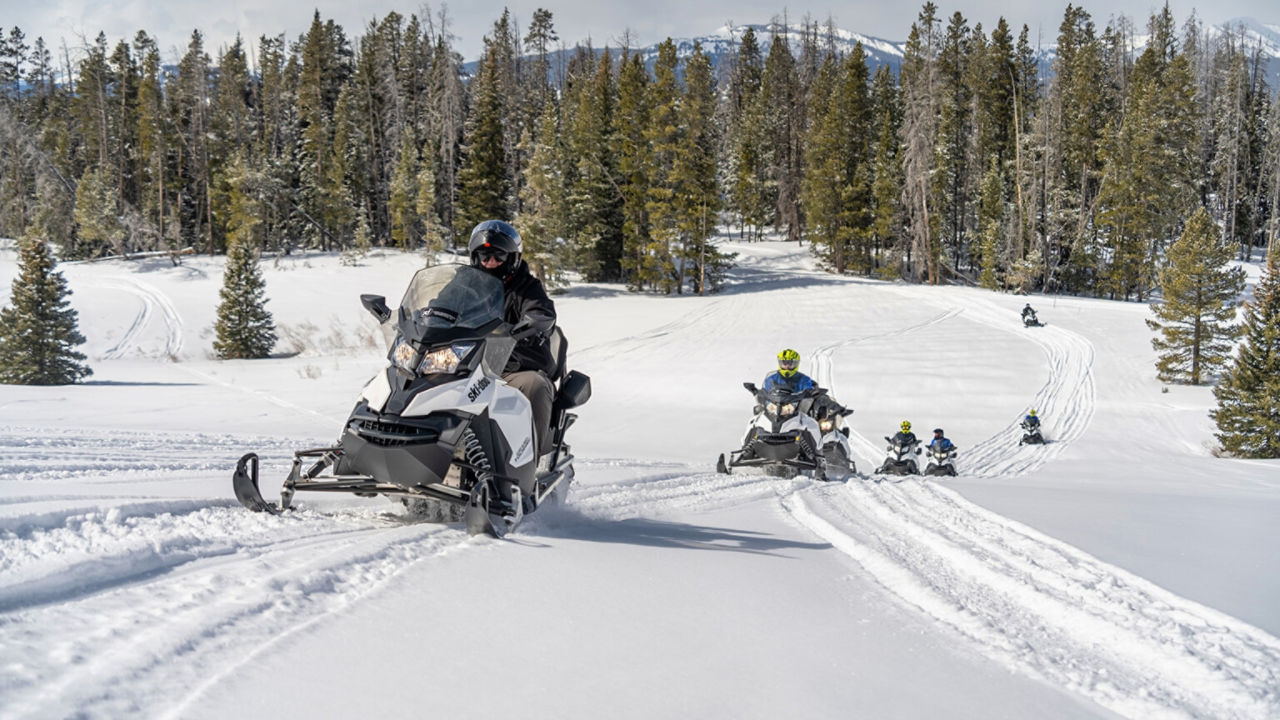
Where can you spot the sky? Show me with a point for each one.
(171, 21)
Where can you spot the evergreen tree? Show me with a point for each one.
(484, 190)
(100, 229)
(634, 166)
(403, 202)
(1195, 318)
(38, 329)
(1248, 412)
(541, 220)
(663, 136)
(244, 326)
(694, 172)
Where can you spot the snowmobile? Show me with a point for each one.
(1030, 320)
(1031, 435)
(439, 427)
(941, 462)
(791, 432)
(900, 460)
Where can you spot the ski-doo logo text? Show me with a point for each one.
(474, 391)
(523, 446)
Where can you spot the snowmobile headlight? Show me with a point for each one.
(771, 408)
(444, 360)
(403, 355)
(826, 425)
(788, 409)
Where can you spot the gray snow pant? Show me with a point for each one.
(537, 387)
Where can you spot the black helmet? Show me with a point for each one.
(494, 238)
(938, 431)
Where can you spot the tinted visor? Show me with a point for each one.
(489, 252)
(788, 364)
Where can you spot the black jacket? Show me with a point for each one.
(526, 299)
(905, 438)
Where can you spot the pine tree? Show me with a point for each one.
(38, 329)
(244, 327)
(1195, 318)
(698, 201)
(485, 188)
(1248, 412)
(633, 165)
(100, 229)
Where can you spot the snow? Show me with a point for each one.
(1119, 571)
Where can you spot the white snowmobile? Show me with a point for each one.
(1031, 434)
(940, 462)
(1029, 319)
(901, 460)
(785, 437)
(439, 426)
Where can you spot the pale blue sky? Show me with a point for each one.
(171, 21)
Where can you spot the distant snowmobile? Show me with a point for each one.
(900, 460)
(1031, 434)
(439, 426)
(784, 437)
(940, 462)
(1029, 319)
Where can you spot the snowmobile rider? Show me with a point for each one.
(496, 248)
(940, 441)
(1031, 422)
(1028, 311)
(905, 436)
(789, 379)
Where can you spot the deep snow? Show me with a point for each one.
(1119, 571)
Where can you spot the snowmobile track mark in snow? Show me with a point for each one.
(1046, 608)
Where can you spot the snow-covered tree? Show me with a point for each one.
(38, 329)
(1195, 318)
(1248, 413)
(244, 327)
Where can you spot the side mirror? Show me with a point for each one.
(377, 305)
(751, 387)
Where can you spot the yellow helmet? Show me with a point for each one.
(788, 362)
(1032, 413)
(906, 426)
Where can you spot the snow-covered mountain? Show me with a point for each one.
(720, 44)
(1119, 571)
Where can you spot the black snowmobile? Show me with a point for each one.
(439, 428)
(901, 460)
(792, 432)
(1029, 319)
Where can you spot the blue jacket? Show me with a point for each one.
(944, 444)
(799, 382)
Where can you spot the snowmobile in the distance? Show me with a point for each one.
(901, 459)
(439, 428)
(784, 437)
(1031, 434)
(940, 462)
(1029, 319)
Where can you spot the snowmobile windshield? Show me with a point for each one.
(453, 296)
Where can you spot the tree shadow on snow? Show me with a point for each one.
(570, 524)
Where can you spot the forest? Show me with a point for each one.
(973, 163)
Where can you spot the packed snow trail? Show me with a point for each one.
(1046, 608)
(1066, 399)
(151, 298)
